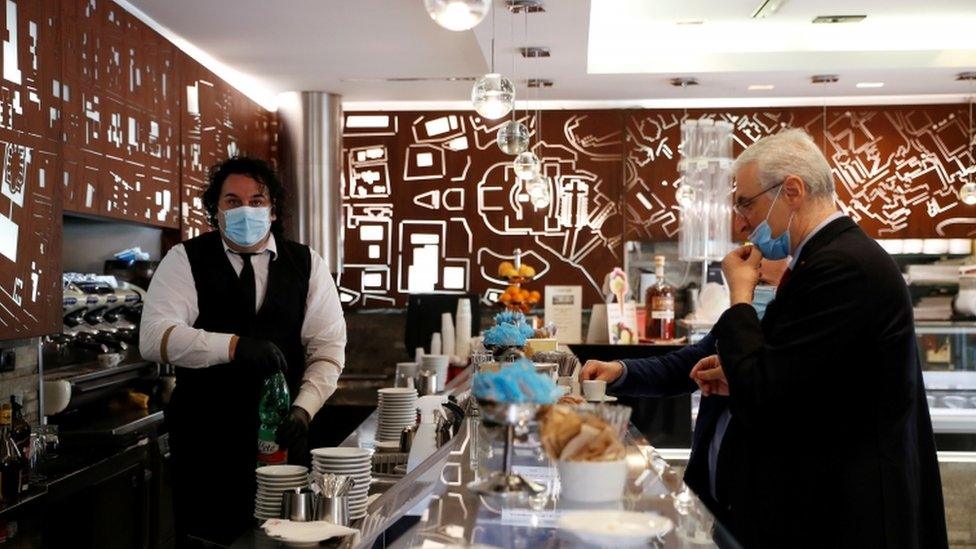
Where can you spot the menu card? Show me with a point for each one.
(564, 308)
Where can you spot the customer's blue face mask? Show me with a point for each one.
(761, 297)
(762, 236)
(246, 225)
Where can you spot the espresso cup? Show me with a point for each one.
(595, 389)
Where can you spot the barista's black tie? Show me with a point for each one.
(248, 286)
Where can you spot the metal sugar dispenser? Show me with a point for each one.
(332, 504)
(506, 484)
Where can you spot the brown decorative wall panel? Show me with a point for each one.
(120, 135)
(897, 170)
(217, 122)
(30, 205)
(431, 204)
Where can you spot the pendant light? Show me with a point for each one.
(493, 95)
(526, 165)
(457, 15)
(967, 193)
(538, 186)
(513, 136)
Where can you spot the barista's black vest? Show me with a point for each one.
(280, 316)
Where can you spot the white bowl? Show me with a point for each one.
(593, 481)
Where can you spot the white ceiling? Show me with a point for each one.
(603, 51)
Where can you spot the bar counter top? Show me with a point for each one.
(432, 506)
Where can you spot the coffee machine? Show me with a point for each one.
(100, 316)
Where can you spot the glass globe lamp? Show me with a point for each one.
(457, 15)
(538, 191)
(513, 137)
(493, 96)
(527, 166)
(968, 193)
(685, 196)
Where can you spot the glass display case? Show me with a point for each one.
(947, 351)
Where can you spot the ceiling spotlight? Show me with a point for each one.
(824, 78)
(493, 96)
(869, 84)
(457, 15)
(834, 19)
(967, 193)
(684, 81)
(966, 76)
(758, 87)
(530, 6)
(535, 51)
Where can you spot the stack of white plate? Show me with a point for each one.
(354, 462)
(397, 409)
(273, 480)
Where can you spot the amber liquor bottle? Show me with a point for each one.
(11, 462)
(659, 300)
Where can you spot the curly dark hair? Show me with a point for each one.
(255, 168)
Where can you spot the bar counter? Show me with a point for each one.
(432, 506)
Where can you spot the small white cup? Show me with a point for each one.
(592, 481)
(595, 389)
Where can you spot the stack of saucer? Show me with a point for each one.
(273, 480)
(397, 409)
(350, 461)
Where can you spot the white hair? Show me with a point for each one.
(789, 152)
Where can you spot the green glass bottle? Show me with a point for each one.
(272, 410)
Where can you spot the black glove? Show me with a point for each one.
(294, 428)
(263, 357)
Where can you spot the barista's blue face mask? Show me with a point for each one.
(246, 225)
(762, 236)
(761, 297)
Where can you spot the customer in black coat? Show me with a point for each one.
(835, 439)
(669, 376)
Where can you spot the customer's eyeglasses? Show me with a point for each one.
(743, 204)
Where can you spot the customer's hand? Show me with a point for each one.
(604, 371)
(741, 270)
(294, 428)
(710, 376)
(262, 356)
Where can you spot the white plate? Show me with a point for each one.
(617, 528)
(281, 485)
(349, 472)
(354, 474)
(339, 460)
(345, 452)
(606, 398)
(280, 470)
(342, 467)
(397, 391)
(333, 465)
